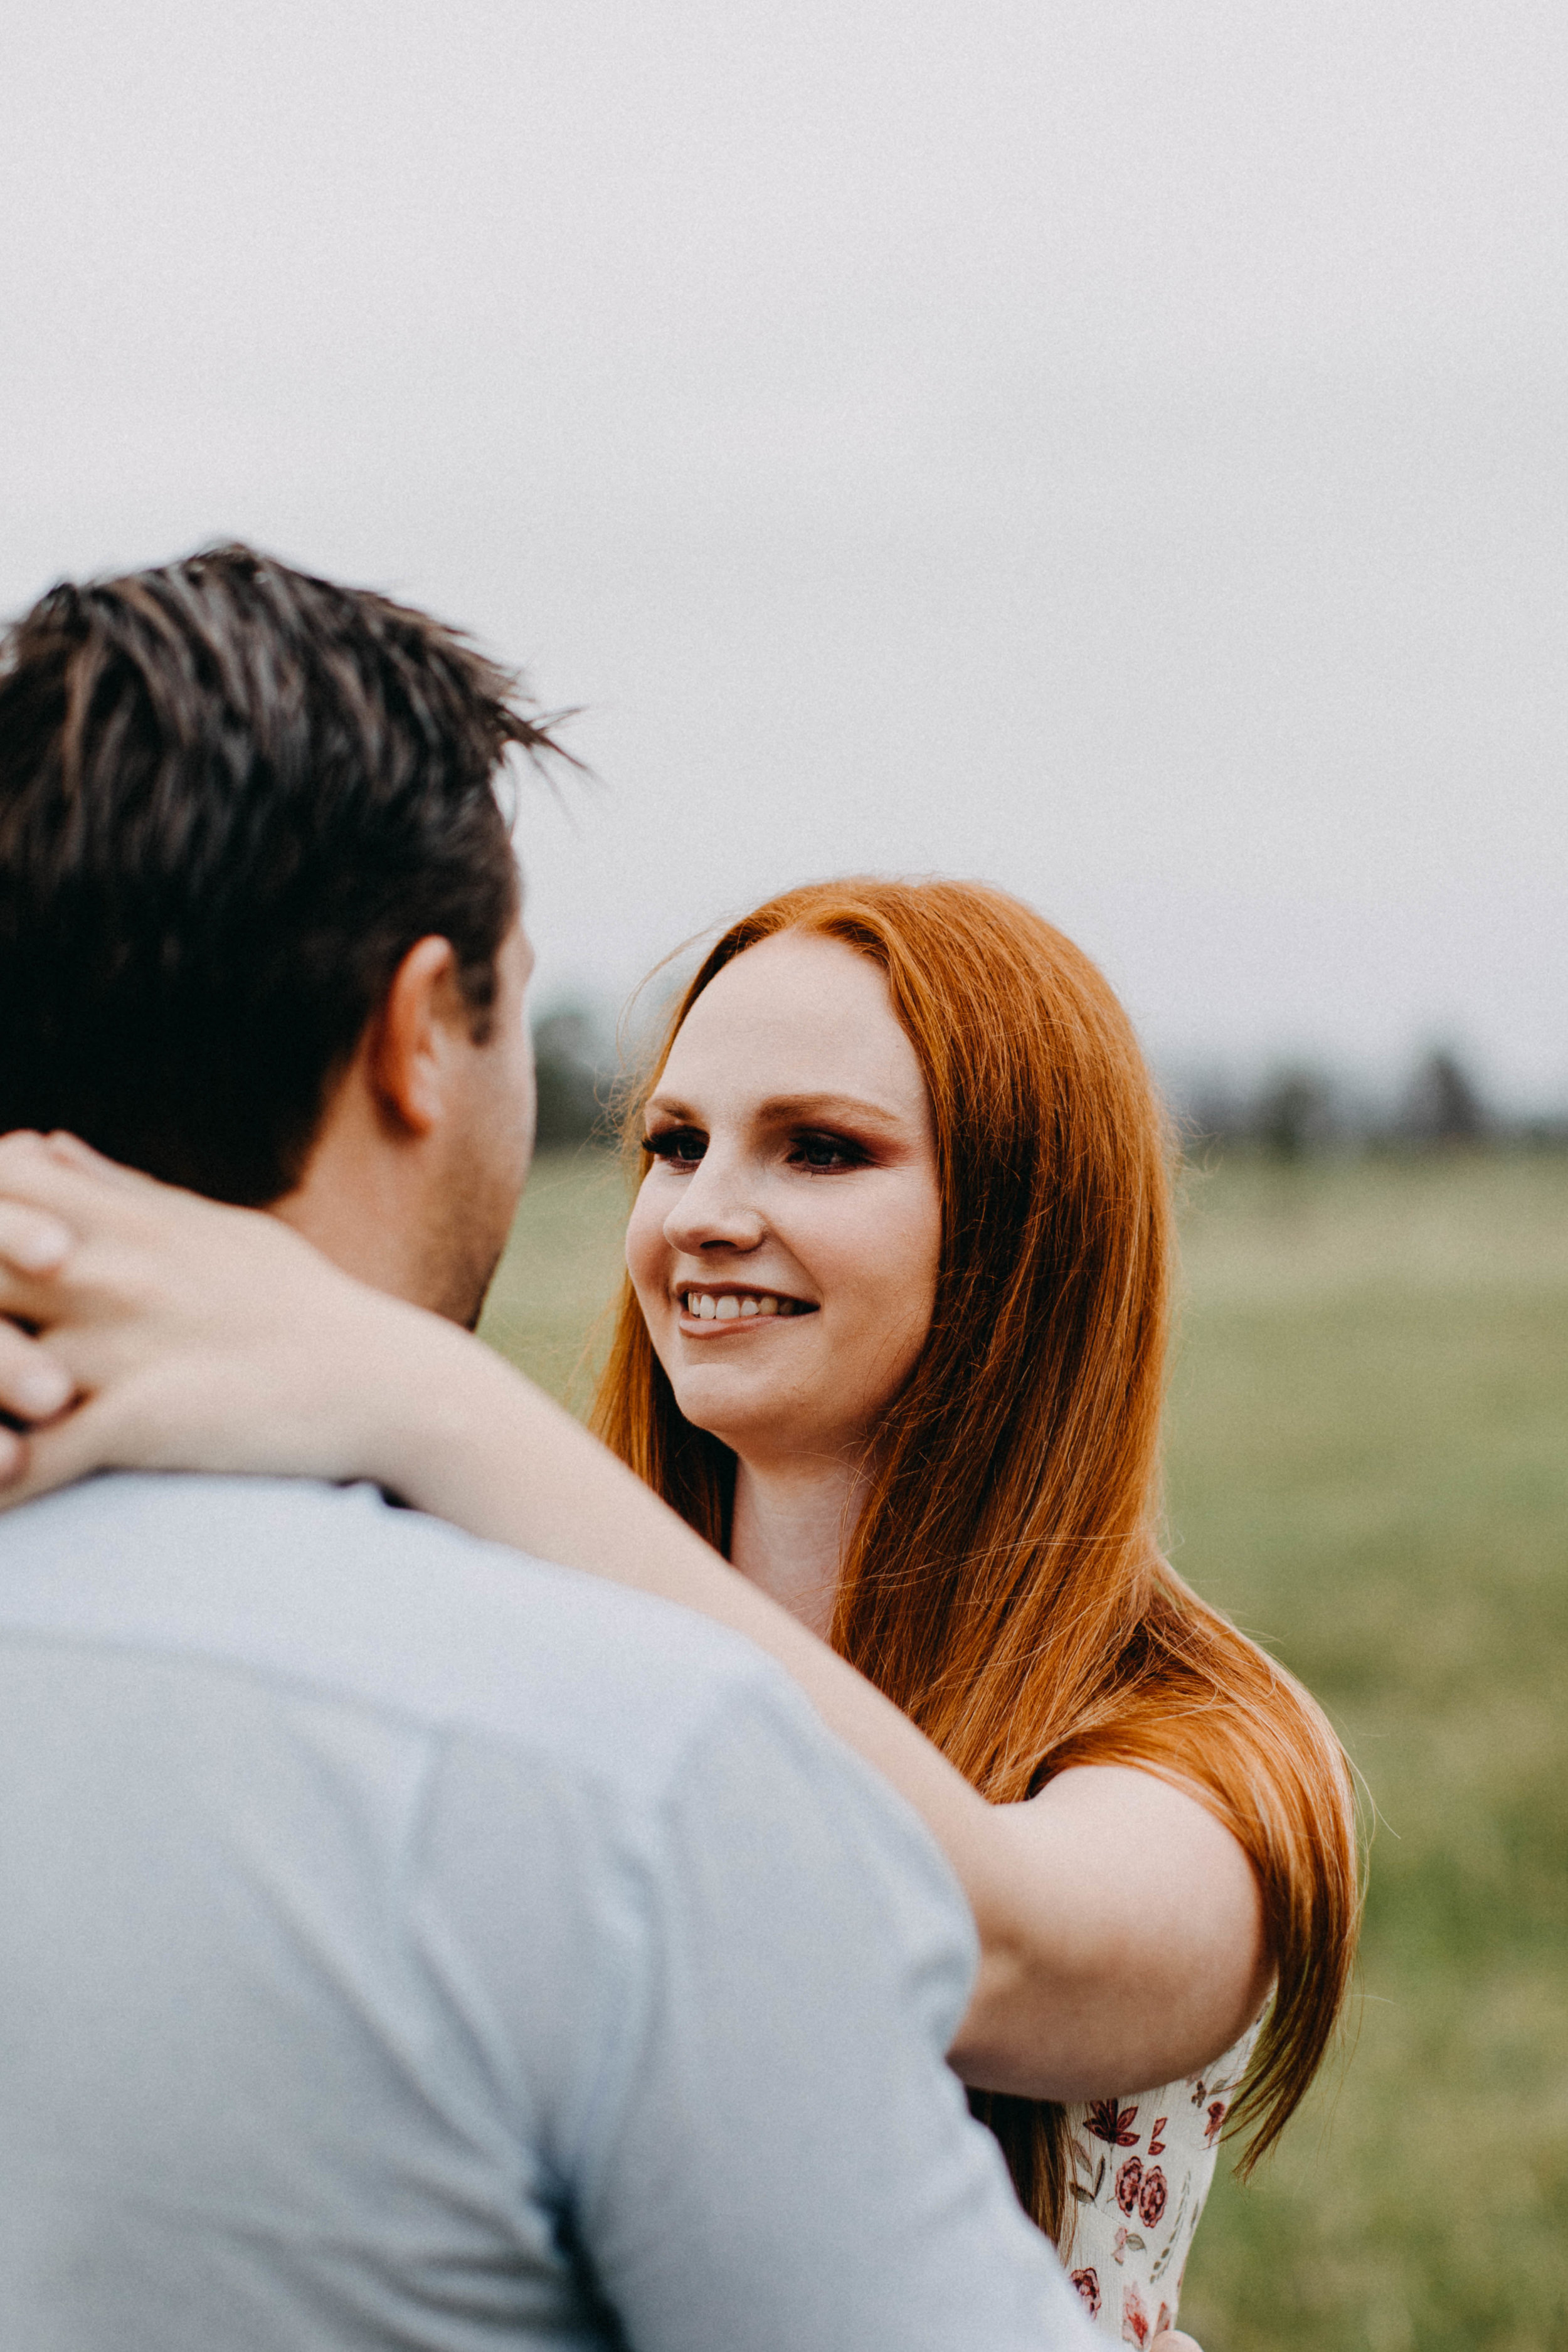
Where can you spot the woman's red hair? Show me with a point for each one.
(1005, 1583)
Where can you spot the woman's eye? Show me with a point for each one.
(826, 1151)
(678, 1146)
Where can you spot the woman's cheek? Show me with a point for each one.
(909, 1301)
(647, 1255)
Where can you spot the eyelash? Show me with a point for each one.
(851, 1154)
(662, 1146)
(665, 1146)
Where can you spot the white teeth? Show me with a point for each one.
(728, 1305)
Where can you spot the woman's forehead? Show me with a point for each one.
(797, 1014)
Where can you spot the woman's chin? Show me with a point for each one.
(725, 1418)
(747, 1416)
(770, 1442)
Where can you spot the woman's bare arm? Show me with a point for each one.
(1119, 1924)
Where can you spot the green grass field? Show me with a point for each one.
(1369, 1470)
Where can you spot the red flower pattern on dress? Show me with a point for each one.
(1108, 2121)
(1133, 2229)
(1088, 2285)
(1126, 2179)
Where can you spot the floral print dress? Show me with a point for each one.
(1142, 2166)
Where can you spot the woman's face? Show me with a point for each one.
(785, 1243)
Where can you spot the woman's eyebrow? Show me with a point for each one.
(785, 1111)
(795, 1109)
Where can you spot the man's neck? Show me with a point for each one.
(791, 1524)
(364, 1200)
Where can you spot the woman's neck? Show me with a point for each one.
(790, 1526)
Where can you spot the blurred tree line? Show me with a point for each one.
(570, 1060)
(1296, 1110)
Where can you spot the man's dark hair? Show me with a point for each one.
(232, 798)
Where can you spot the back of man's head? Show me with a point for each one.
(232, 798)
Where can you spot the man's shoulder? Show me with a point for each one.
(336, 1590)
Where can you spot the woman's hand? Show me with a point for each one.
(34, 1387)
(182, 1334)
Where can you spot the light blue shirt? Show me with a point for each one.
(407, 1944)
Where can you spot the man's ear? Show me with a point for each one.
(411, 1041)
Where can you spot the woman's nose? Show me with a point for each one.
(714, 1211)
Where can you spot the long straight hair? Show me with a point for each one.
(1005, 1583)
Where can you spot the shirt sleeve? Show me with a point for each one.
(784, 2157)
(1143, 2165)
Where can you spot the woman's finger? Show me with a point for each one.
(67, 1150)
(31, 1172)
(72, 1153)
(32, 1241)
(33, 1386)
(58, 1455)
(90, 1196)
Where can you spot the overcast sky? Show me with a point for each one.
(1113, 448)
